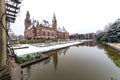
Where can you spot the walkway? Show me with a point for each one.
(114, 45)
(15, 69)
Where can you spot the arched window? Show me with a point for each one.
(44, 34)
(52, 34)
(37, 32)
(48, 33)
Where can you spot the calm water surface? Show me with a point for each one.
(88, 61)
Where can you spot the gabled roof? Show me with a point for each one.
(64, 29)
(30, 26)
(45, 23)
(61, 30)
(33, 24)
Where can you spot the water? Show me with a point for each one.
(88, 61)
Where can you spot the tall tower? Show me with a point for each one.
(27, 20)
(54, 22)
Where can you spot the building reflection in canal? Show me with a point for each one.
(88, 43)
(71, 61)
(54, 55)
(58, 61)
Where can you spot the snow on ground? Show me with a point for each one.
(34, 49)
(114, 45)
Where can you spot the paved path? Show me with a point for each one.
(15, 69)
(115, 45)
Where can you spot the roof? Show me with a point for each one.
(61, 30)
(30, 26)
(64, 29)
(34, 23)
(45, 23)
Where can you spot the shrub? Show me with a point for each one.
(28, 57)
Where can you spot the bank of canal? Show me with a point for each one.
(87, 61)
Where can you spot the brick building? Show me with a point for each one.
(34, 29)
(83, 36)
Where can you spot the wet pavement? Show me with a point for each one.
(14, 69)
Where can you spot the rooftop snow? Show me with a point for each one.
(61, 30)
(45, 23)
(30, 26)
(34, 23)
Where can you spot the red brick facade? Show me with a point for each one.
(34, 29)
(83, 36)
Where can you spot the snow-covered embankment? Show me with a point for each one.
(33, 49)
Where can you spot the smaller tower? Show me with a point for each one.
(37, 23)
(27, 21)
(54, 22)
(54, 25)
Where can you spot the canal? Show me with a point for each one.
(86, 61)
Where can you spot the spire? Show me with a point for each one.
(27, 14)
(27, 11)
(33, 20)
(64, 29)
(54, 15)
(37, 22)
(54, 22)
(27, 20)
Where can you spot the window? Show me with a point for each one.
(48, 33)
(44, 34)
(52, 34)
(37, 32)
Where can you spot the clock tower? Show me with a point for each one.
(27, 20)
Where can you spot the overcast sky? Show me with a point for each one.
(77, 16)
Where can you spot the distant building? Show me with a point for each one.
(83, 36)
(34, 29)
(16, 37)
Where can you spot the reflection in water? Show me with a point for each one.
(63, 51)
(87, 61)
(113, 54)
(113, 78)
(54, 55)
(89, 43)
(26, 73)
(46, 61)
(55, 60)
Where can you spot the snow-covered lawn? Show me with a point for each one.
(35, 48)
